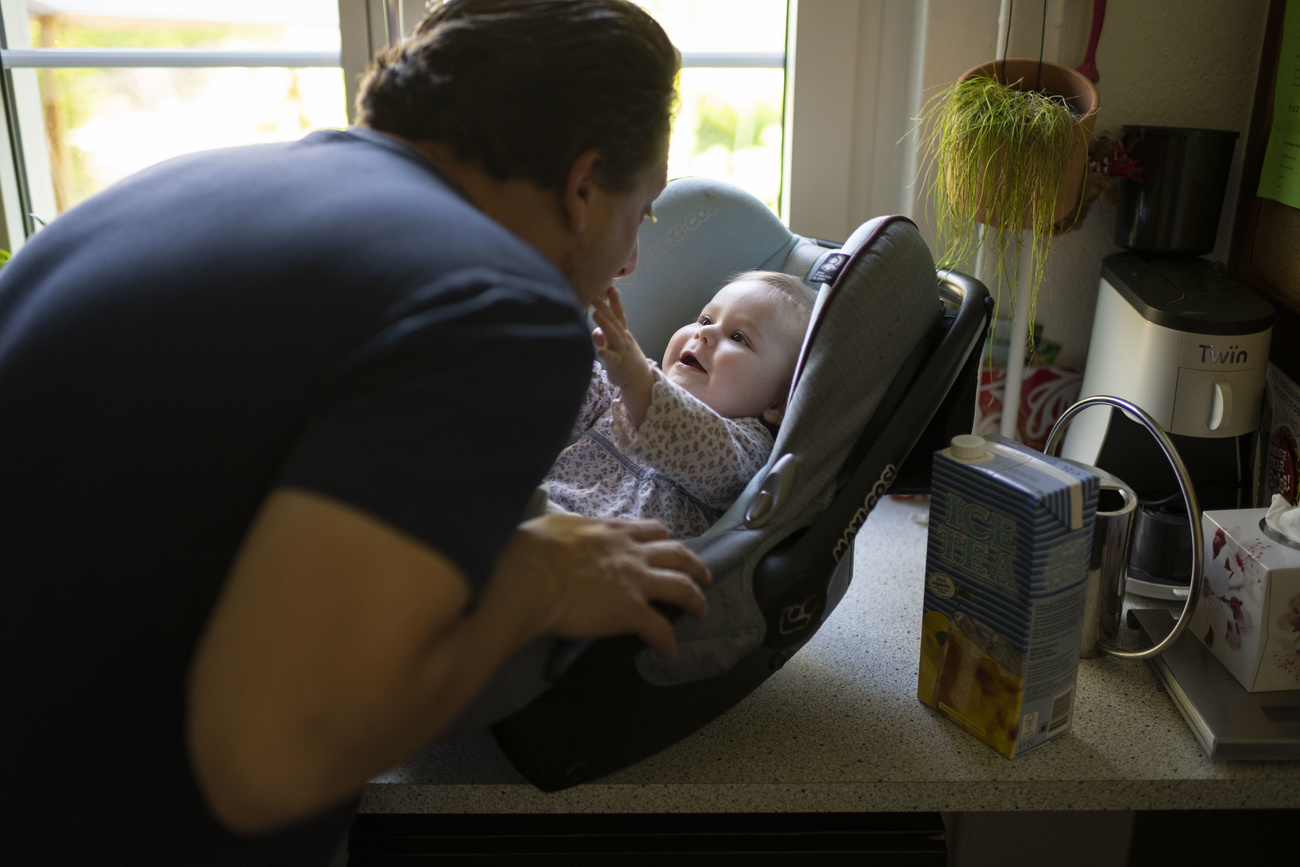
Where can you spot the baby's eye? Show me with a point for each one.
(704, 319)
(740, 338)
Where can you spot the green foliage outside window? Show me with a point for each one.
(74, 98)
(729, 125)
(722, 124)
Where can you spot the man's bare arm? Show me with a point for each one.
(339, 646)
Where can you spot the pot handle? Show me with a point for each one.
(1189, 498)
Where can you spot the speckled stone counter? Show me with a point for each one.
(839, 729)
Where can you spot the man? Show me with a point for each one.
(269, 417)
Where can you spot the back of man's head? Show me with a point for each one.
(522, 88)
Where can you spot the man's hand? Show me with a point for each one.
(340, 646)
(598, 578)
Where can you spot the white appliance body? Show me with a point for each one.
(1192, 384)
(1189, 345)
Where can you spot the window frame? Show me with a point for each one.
(839, 110)
(853, 88)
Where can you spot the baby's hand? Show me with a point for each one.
(625, 363)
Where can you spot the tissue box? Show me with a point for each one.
(1248, 614)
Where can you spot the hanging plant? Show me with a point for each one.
(1008, 145)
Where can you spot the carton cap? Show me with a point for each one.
(968, 447)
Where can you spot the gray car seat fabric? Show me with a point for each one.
(878, 297)
(882, 301)
(704, 232)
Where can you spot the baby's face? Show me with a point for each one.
(739, 355)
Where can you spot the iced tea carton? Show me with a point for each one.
(1006, 575)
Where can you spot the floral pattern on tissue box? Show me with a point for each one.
(1248, 613)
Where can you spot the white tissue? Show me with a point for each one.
(1283, 518)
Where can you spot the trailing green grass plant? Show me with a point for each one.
(999, 157)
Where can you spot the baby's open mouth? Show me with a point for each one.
(691, 361)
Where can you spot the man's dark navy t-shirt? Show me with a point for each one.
(328, 314)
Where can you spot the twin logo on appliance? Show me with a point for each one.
(1232, 355)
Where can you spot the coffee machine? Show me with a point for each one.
(1174, 334)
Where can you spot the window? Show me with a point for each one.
(103, 88)
(732, 90)
(97, 89)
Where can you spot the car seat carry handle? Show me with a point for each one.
(603, 716)
(791, 582)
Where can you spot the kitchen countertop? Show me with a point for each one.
(839, 729)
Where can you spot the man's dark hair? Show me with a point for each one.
(522, 88)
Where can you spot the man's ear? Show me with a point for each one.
(580, 187)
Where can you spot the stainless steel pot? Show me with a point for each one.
(1109, 565)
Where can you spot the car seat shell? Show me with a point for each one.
(885, 366)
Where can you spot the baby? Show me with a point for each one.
(679, 442)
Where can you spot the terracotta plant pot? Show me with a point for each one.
(1075, 88)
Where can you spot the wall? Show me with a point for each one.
(854, 70)
(1166, 62)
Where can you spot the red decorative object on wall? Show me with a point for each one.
(1046, 393)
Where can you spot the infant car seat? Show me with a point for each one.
(888, 369)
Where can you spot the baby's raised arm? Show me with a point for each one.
(626, 366)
